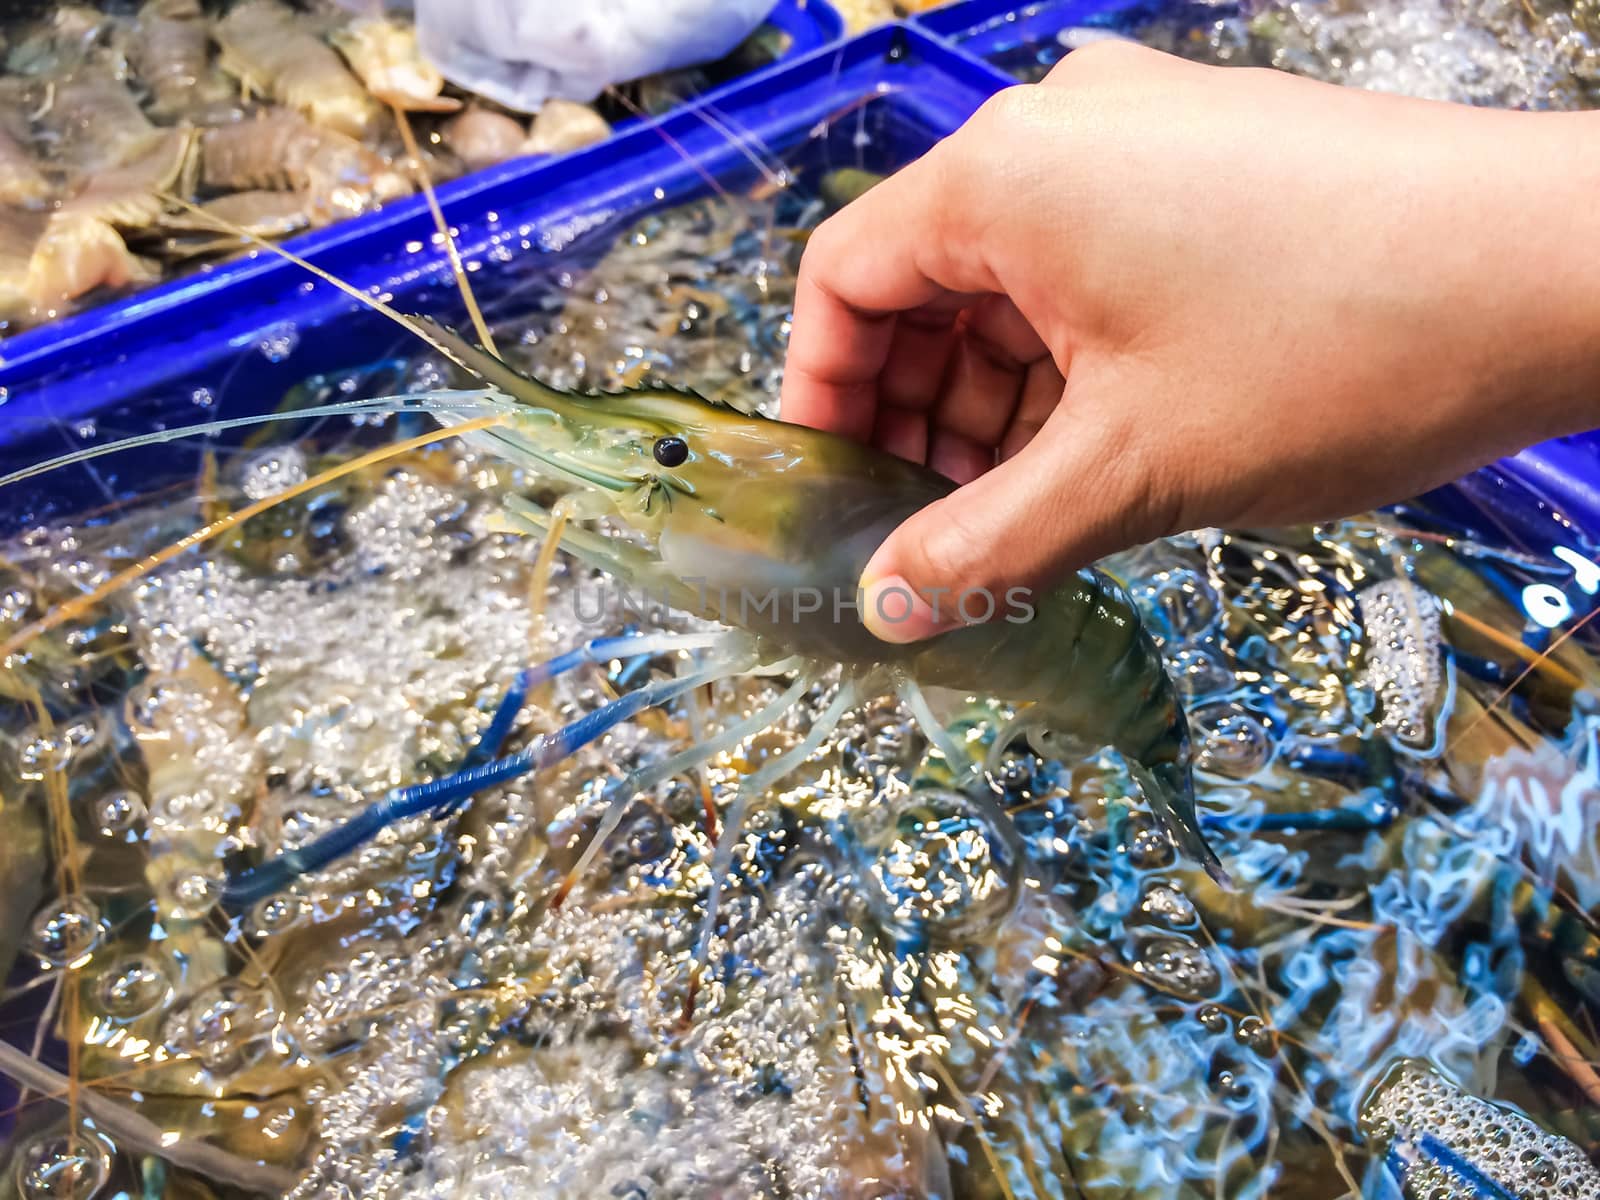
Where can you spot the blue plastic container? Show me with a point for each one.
(188, 351)
(1001, 32)
(810, 24)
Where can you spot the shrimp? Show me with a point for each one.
(282, 151)
(21, 181)
(752, 520)
(764, 527)
(171, 53)
(384, 54)
(267, 50)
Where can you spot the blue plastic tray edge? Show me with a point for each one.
(51, 349)
(814, 25)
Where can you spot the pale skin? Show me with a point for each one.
(1146, 296)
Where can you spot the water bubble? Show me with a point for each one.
(1177, 965)
(1181, 603)
(1197, 673)
(1168, 904)
(230, 1026)
(1257, 1035)
(1231, 1086)
(50, 751)
(134, 986)
(192, 894)
(117, 814)
(277, 913)
(62, 1167)
(202, 398)
(1231, 742)
(66, 931)
(15, 605)
(1149, 848)
(1212, 1018)
(278, 342)
(938, 863)
(272, 471)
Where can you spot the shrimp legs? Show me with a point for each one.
(482, 769)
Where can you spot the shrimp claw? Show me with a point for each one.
(441, 797)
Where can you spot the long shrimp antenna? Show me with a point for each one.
(424, 402)
(425, 181)
(424, 330)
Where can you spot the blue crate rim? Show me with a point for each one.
(41, 353)
(815, 26)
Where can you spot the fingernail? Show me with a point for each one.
(892, 611)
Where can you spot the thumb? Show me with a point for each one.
(993, 548)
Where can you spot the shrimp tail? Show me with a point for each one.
(1168, 787)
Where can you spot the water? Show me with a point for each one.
(1015, 988)
(1539, 55)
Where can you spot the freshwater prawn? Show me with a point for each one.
(740, 519)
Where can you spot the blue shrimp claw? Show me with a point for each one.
(505, 716)
(441, 797)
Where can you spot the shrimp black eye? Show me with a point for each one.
(671, 451)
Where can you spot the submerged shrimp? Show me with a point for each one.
(765, 527)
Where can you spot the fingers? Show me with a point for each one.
(901, 248)
(1061, 501)
(951, 388)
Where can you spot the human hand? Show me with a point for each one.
(1146, 296)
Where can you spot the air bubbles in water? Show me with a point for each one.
(60, 1167)
(1213, 1018)
(66, 931)
(15, 605)
(279, 342)
(229, 1026)
(1257, 1035)
(1403, 638)
(1197, 673)
(134, 986)
(937, 863)
(1149, 848)
(1414, 1102)
(1177, 965)
(192, 894)
(277, 913)
(117, 815)
(272, 471)
(1229, 741)
(1168, 904)
(1180, 603)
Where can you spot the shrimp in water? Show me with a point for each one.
(765, 527)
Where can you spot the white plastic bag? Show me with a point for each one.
(522, 52)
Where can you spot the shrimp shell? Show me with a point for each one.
(77, 254)
(265, 48)
(384, 54)
(563, 125)
(481, 137)
(94, 123)
(171, 54)
(282, 151)
(130, 196)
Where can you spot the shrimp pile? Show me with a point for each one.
(265, 118)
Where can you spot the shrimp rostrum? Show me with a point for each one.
(764, 527)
